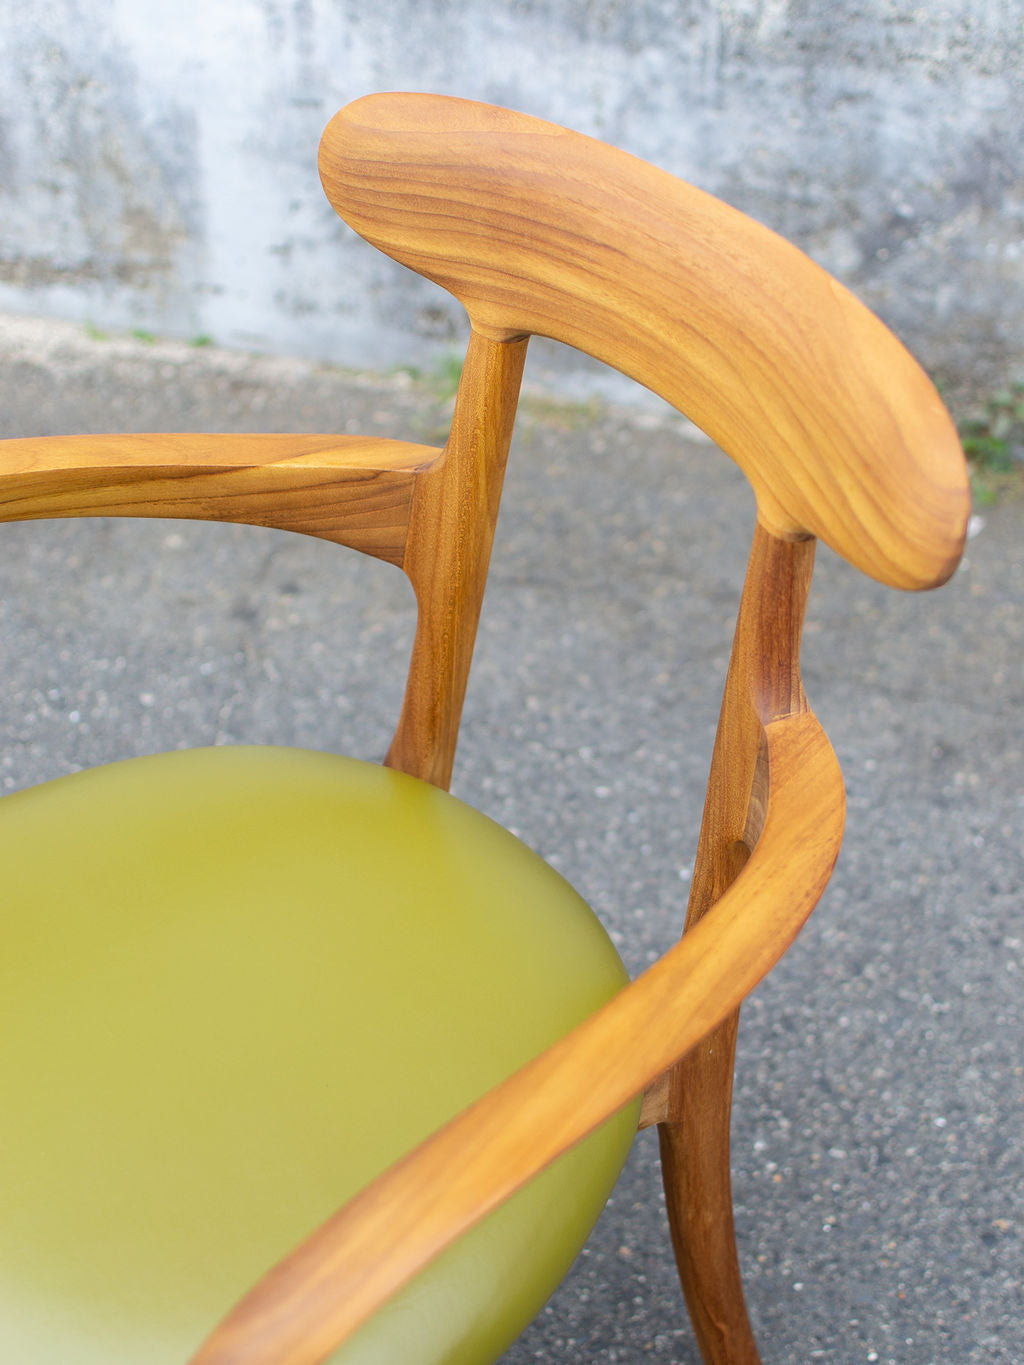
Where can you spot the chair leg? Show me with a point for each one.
(698, 1190)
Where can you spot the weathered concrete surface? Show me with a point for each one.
(878, 1145)
(157, 162)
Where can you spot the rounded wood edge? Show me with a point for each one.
(540, 230)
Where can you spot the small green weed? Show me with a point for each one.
(562, 413)
(412, 372)
(993, 441)
(994, 434)
(444, 376)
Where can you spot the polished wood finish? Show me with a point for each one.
(454, 512)
(432, 512)
(538, 230)
(542, 231)
(355, 490)
(762, 684)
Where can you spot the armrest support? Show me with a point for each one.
(318, 1295)
(354, 490)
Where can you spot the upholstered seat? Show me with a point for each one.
(196, 1061)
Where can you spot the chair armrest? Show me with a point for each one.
(317, 1296)
(355, 490)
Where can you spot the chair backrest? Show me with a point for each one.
(538, 230)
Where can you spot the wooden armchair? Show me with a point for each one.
(244, 986)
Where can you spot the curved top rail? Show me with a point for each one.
(537, 230)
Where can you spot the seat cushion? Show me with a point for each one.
(236, 983)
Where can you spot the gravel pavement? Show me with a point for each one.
(879, 1129)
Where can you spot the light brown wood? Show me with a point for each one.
(430, 511)
(762, 683)
(654, 1103)
(454, 511)
(538, 230)
(354, 490)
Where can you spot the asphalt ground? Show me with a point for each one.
(879, 1118)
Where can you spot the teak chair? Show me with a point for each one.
(244, 986)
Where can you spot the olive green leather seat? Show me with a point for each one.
(197, 1068)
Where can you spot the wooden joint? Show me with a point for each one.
(654, 1105)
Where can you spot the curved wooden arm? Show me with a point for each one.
(321, 1293)
(355, 490)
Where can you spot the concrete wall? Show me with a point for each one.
(157, 161)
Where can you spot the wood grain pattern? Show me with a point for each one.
(352, 490)
(762, 683)
(542, 231)
(451, 529)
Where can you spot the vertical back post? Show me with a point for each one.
(451, 530)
